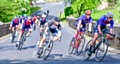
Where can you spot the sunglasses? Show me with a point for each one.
(110, 17)
(88, 14)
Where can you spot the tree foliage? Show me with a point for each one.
(67, 13)
(80, 6)
(11, 8)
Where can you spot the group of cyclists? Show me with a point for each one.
(25, 22)
(98, 28)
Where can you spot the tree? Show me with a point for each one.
(79, 6)
(11, 8)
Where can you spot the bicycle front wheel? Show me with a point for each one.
(86, 56)
(47, 50)
(71, 46)
(101, 51)
(20, 44)
(81, 46)
(13, 37)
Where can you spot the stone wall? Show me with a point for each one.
(113, 43)
(4, 29)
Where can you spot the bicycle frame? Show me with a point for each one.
(78, 39)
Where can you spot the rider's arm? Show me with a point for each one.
(11, 24)
(90, 25)
(79, 25)
(111, 26)
(99, 23)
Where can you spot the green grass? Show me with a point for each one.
(98, 14)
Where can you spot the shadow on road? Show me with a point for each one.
(32, 46)
(109, 60)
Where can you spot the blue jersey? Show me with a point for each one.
(103, 22)
(16, 21)
(42, 22)
(83, 20)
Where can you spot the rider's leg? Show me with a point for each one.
(41, 43)
(42, 40)
(40, 33)
(19, 37)
(30, 30)
(58, 35)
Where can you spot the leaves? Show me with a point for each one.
(80, 6)
(11, 8)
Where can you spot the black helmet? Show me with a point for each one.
(57, 19)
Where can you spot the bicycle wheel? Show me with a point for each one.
(81, 46)
(47, 49)
(34, 27)
(13, 37)
(71, 46)
(86, 56)
(101, 51)
(20, 43)
(40, 54)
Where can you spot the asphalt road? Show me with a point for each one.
(59, 55)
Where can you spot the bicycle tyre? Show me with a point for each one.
(21, 43)
(86, 49)
(13, 37)
(81, 48)
(96, 58)
(45, 49)
(39, 55)
(34, 27)
(71, 46)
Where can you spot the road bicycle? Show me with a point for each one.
(77, 43)
(23, 38)
(100, 48)
(13, 35)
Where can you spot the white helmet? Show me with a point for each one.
(43, 15)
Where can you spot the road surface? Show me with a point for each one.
(59, 55)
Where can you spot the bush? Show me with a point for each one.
(68, 11)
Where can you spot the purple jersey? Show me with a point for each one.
(103, 22)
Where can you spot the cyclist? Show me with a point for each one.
(100, 25)
(81, 24)
(26, 25)
(25, 16)
(53, 27)
(21, 21)
(15, 23)
(42, 22)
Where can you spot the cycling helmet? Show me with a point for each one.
(57, 19)
(109, 14)
(88, 12)
(43, 15)
(21, 16)
(16, 17)
(29, 17)
(25, 15)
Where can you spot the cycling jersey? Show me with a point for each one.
(27, 24)
(83, 21)
(53, 28)
(103, 22)
(34, 19)
(42, 22)
(15, 22)
(20, 19)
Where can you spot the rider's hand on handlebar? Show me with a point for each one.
(9, 27)
(100, 33)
